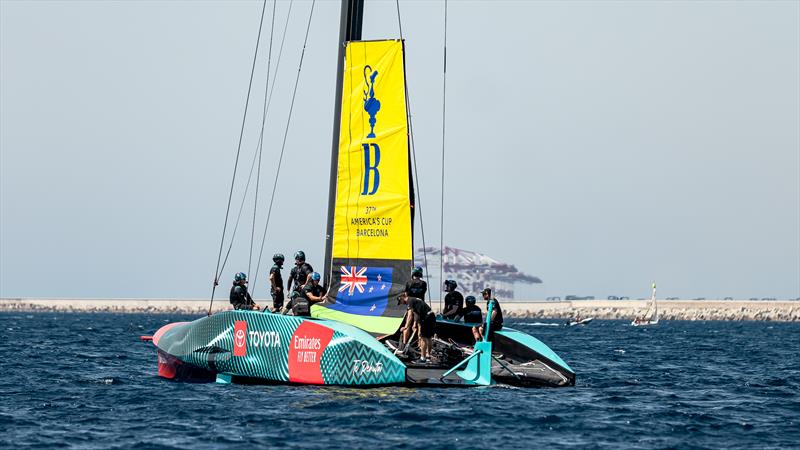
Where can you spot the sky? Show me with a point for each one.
(597, 145)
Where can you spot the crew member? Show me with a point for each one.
(300, 301)
(472, 312)
(276, 282)
(300, 272)
(416, 287)
(453, 301)
(240, 298)
(420, 318)
(495, 322)
(312, 291)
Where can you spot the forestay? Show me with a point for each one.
(373, 219)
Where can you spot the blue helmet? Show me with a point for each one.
(241, 276)
(315, 276)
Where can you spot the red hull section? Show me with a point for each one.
(172, 368)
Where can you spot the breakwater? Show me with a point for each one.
(781, 311)
(777, 310)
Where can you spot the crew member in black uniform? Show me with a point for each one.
(495, 322)
(240, 298)
(453, 301)
(300, 302)
(312, 291)
(420, 317)
(300, 272)
(472, 312)
(416, 287)
(276, 282)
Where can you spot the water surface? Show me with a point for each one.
(85, 380)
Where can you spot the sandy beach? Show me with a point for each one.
(777, 310)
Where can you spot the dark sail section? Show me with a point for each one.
(372, 231)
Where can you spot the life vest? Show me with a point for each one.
(239, 295)
(473, 314)
(299, 274)
(416, 288)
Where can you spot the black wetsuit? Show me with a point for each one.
(473, 314)
(310, 288)
(299, 275)
(416, 288)
(277, 291)
(240, 298)
(453, 299)
(426, 316)
(496, 324)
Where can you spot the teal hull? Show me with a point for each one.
(276, 348)
(243, 346)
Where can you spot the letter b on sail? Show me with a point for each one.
(371, 169)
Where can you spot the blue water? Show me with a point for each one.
(85, 380)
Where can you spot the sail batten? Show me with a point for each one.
(372, 248)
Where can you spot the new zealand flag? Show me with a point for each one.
(363, 290)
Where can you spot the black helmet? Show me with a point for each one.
(300, 255)
(450, 284)
(470, 300)
(416, 271)
(278, 257)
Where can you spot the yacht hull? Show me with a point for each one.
(250, 346)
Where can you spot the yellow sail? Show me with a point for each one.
(372, 231)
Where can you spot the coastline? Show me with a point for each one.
(732, 310)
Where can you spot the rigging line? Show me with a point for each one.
(269, 102)
(444, 113)
(418, 205)
(244, 199)
(288, 122)
(238, 151)
(260, 149)
(399, 22)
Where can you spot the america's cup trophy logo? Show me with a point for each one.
(371, 104)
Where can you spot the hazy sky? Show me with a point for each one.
(597, 145)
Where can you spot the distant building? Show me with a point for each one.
(473, 271)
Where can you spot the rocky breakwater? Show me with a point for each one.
(782, 311)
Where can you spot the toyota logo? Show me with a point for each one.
(240, 338)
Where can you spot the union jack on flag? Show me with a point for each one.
(363, 290)
(353, 279)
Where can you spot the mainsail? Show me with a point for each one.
(372, 237)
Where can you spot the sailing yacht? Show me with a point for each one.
(351, 338)
(644, 320)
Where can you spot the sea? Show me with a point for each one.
(81, 380)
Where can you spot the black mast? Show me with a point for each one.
(349, 30)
